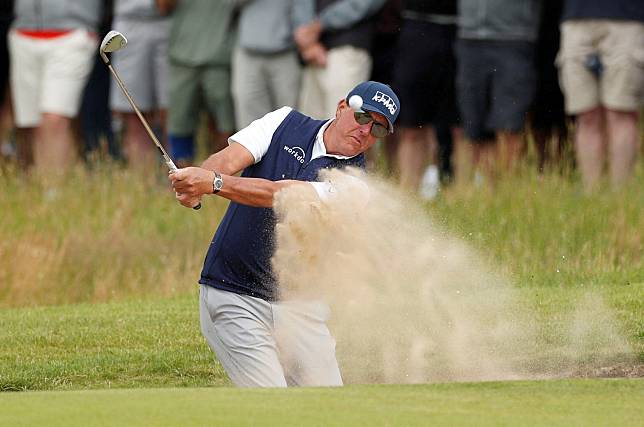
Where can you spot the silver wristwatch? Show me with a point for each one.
(217, 183)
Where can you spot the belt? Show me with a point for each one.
(430, 17)
(44, 33)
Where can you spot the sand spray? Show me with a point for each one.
(412, 304)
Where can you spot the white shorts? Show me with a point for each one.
(143, 65)
(49, 75)
(269, 344)
(324, 87)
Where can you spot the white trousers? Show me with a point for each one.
(262, 83)
(264, 344)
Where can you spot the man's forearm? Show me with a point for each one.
(192, 183)
(257, 192)
(215, 163)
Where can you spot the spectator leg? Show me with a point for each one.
(484, 158)
(139, 150)
(413, 149)
(25, 147)
(54, 145)
(391, 153)
(6, 127)
(511, 150)
(623, 137)
(590, 147)
(445, 138)
(217, 139)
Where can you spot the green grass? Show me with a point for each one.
(157, 343)
(550, 403)
(98, 290)
(125, 344)
(546, 232)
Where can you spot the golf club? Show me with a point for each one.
(112, 42)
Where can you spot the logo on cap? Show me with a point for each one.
(386, 101)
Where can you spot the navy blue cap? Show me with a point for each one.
(378, 98)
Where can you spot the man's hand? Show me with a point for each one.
(308, 34)
(190, 184)
(315, 54)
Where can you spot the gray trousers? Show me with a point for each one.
(269, 344)
(262, 83)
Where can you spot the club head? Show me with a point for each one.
(112, 42)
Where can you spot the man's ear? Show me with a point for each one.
(341, 105)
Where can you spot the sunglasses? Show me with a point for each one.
(377, 129)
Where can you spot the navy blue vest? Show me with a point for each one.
(238, 259)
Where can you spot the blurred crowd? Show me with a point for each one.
(483, 76)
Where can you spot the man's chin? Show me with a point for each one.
(354, 151)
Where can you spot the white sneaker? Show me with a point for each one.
(430, 183)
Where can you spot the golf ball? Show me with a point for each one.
(355, 102)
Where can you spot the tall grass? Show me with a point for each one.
(545, 231)
(99, 235)
(112, 233)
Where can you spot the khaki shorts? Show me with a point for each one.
(49, 75)
(324, 87)
(619, 47)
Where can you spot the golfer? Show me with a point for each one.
(240, 309)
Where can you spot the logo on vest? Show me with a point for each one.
(386, 101)
(296, 152)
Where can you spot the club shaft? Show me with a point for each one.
(167, 158)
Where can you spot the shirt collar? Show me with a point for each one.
(319, 149)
